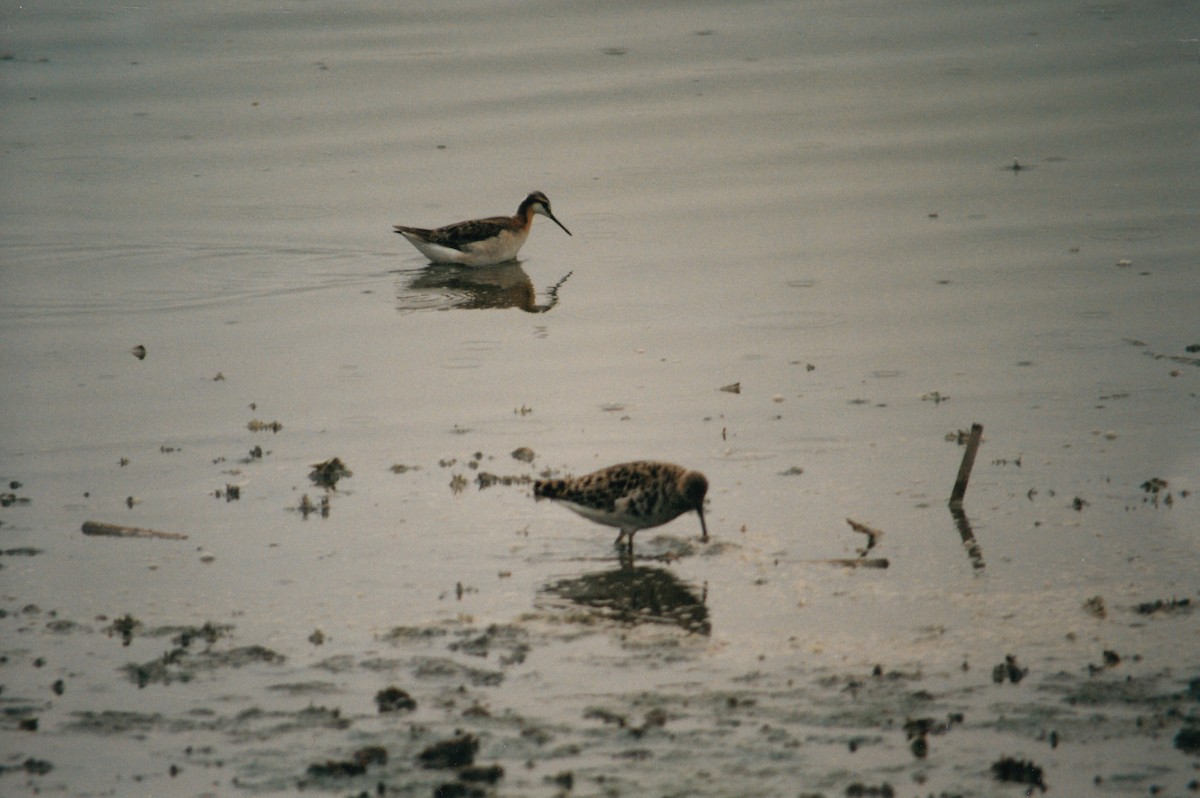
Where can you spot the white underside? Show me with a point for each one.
(599, 516)
(619, 519)
(481, 253)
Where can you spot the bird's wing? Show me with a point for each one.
(458, 236)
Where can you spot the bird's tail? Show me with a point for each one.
(547, 488)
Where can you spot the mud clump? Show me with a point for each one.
(1019, 771)
(209, 632)
(179, 665)
(1174, 605)
(507, 638)
(456, 789)
(456, 752)
(1188, 740)
(487, 774)
(393, 699)
(1095, 607)
(34, 767)
(1010, 670)
(859, 790)
(918, 730)
(356, 765)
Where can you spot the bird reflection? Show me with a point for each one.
(636, 594)
(447, 286)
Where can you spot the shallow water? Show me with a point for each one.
(816, 201)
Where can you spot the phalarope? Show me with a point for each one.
(630, 496)
(481, 242)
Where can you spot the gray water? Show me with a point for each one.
(816, 201)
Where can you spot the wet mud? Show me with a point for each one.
(460, 714)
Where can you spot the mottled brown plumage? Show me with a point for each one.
(631, 496)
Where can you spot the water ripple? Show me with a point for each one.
(56, 280)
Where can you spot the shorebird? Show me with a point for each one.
(481, 242)
(630, 496)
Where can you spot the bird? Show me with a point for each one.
(481, 242)
(630, 496)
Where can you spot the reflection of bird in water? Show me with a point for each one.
(636, 594)
(481, 242)
(631, 496)
(443, 287)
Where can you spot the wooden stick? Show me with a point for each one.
(118, 531)
(860, 562)
(968, 462)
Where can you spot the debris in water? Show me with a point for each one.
(34, 767)
(8, 499)
(254, 425)
(1153, 487)
(1111, 660)
(524, 454)
(861, 562)
(873, 535)
(328, 473)
(485, 479)
(958, 436)
(96, 528)
(20, 551)
(1095, 607)
(125, 627)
